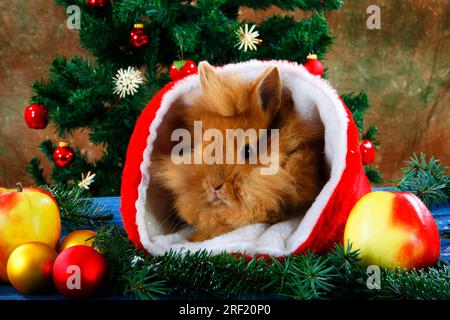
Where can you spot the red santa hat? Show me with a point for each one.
(323, 224)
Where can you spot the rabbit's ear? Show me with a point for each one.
(268, 86)
(208, 76)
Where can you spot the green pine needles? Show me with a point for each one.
(427, 180)
(337, 275)
(79, 91)
(77, 209)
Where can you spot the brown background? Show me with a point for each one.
(403, 68)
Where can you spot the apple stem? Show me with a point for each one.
(19, 187)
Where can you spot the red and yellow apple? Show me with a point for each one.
(26, 215)
(394, 230)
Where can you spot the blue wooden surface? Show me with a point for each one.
(441, 215)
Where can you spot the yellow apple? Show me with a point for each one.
(26, 215)
(394, 230)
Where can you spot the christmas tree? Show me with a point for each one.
(136, 44)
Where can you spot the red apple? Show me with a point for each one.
(26, 215)
(393, 229)
(36, 116)
(182, 68)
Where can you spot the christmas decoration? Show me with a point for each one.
(78, 88)
(86, 180)
(63, 155)
(97, 3)
(314, 65)
(127, 81)
(247, 38)
(78, 271)
(30, 267)
(367, 150)
(394, 230)
(182, 68)
(78, 237)
(26, 214)
(36, 116)
(138, 36)
(78, 210)
(312, 233)
(336, 275)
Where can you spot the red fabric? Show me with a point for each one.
(131, 176)
(328, 230)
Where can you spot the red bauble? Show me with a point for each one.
(182, 68)
(138, 36)
(63, 155)
(78, 271)
(367, 150)
(97, 3)
(36, 116)
(314, 65)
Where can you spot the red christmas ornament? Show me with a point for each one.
(78, 271)
(36, 116)
(182, 68)
(63, 155)
(97, 3)
(138, 36)
(314, 65)
(367, 150)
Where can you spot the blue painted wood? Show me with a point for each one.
(441, 215)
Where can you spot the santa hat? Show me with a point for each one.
(323, 224)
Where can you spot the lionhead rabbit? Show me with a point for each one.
(219, 197)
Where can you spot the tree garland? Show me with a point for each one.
(337, 275)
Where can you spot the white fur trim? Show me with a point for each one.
(315, 100)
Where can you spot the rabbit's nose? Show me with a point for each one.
(217, 187)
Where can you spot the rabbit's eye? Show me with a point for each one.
(247, 152)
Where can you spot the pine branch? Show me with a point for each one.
(77, 210)
(373, 174)
(427, 180)
(36, 172)
(370, 134)
(307, 5)
(338, 275)
(358, 105)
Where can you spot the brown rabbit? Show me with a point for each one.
(218, 198)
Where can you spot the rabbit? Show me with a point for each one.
(218, 198)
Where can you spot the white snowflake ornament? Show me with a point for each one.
(127, 81)
(86, 180)
(248, 38)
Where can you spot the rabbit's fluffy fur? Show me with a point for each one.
(218, 198)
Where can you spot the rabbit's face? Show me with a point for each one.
(231, 187)
(225, 187)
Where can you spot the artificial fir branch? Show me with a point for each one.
(358, 105)
(337, 275)
(77, 209)
(35, 170)
(427, 180)
(370, 134)
(373, 174)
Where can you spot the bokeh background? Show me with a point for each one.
(404, 69)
